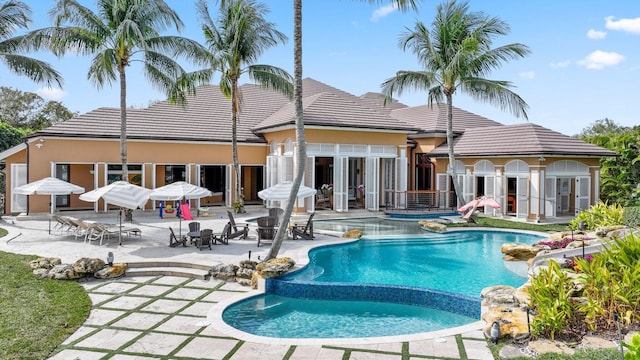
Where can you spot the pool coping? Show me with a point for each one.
(214, 315)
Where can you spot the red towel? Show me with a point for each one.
(186, 212)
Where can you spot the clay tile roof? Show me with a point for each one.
(433, 118)
(520, 139)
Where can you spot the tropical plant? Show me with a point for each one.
(633, 348)
(234, 42)
(457, 54)
(118, 34)
(301, 155)
(598, 215)
(14, 15)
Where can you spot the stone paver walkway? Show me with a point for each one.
(165, 317)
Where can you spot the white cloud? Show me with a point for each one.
(528, 74)
(54, 94)
(628, 25)
(600, 59)
(560, 64)
(596, 35)
(382, 12)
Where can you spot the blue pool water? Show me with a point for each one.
(388, 270)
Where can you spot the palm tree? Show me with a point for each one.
(120, 33)
(457, 55)
(301, 155)
(238, 38)
(15, 15)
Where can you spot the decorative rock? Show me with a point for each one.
(432, 226)
(243, 282)
(41, 273)
(248, 264)
(593, 342)
(275, 267)
(544, 346)
(244, 273)
(109, 272)
(88, 265)
(64, 272)
(500, 295)
(255, 278)
(224, 272)
(621, 233)
(513, 321)
(44, 263)
(353, 234)
(511, 352)
(604, 230)
(520, 251)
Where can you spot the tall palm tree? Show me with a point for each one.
(15, 15)
(118, 34)
(457, 54)
(301, 155)
(234, 42)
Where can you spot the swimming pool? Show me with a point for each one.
(385, 278)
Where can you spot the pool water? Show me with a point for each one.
(462, 262)
(456, 262)
(283, 317)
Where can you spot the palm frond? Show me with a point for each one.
(103, 68)
(272, 77)
(36, 70)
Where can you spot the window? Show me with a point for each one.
(114, 173)
(424, 172)
(62, 173)
(173, 173)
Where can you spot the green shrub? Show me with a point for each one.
(631, 216)
(633, 348)
(598, 215)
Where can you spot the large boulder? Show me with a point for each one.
(353, 234)
(432, 226)
(64, 272)
(519, 251)
(110, 272)
(88, 265)
(275, 267)
(543, 346)
(44, 263)
(502, 304)
(224, 272)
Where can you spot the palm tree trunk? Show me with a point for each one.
(300, 138)
(123, 124)
(452, 156)
(234, 139)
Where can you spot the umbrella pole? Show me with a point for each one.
(120, 228)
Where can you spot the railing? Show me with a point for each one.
(419, 200)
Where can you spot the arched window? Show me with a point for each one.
(484, 167)
(288, 147)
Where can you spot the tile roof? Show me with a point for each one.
(433, 118)
(520, 139)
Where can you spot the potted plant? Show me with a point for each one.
(238, 207)
(361, 193)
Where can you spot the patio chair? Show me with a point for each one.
(194, 231)
(205, 239)
(266, 229)
(62, 226)
(237, 229)
(99, 231)
(223, 237)
(304, 231)
(322, 201)
(173, 240)
(276, 213)
(79, 228)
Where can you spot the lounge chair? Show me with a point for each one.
(99, 231)
(223, 237)
(237, 229)
(62, 226)
(194, 231)
(173, 240)
(266, 228)
(79, 228)
(205, 239)
(304, 230)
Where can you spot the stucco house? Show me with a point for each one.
(373, 154)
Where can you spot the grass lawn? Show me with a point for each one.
(507, 224)
(36, 314)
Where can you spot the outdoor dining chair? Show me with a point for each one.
(266, 229)
(304, 230)
(237, 229)
(205, 239)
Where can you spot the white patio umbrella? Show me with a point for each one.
(177, 191)
(48, 186)
(281, 191)
(119, 193)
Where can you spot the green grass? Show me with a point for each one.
(610, 354)
(507, 224)
(36, 315)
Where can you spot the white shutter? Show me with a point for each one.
(341, 184)
(228, 183)
(499, 193)
(288, 168)
(309, 180)
(387, 182)
(468, 191)
(550, 196)
(442, 185)
(583, 192)
(401, 182)
(523, 197)
(489, 192)
(18, 177)
(371, 184)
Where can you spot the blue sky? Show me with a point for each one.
(584, 66)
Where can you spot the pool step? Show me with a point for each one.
(169, 268)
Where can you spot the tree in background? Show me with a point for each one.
(457, 55)
(119, 33)
(619, 176)
(14, 15)
(234, 42)
(28, 110)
